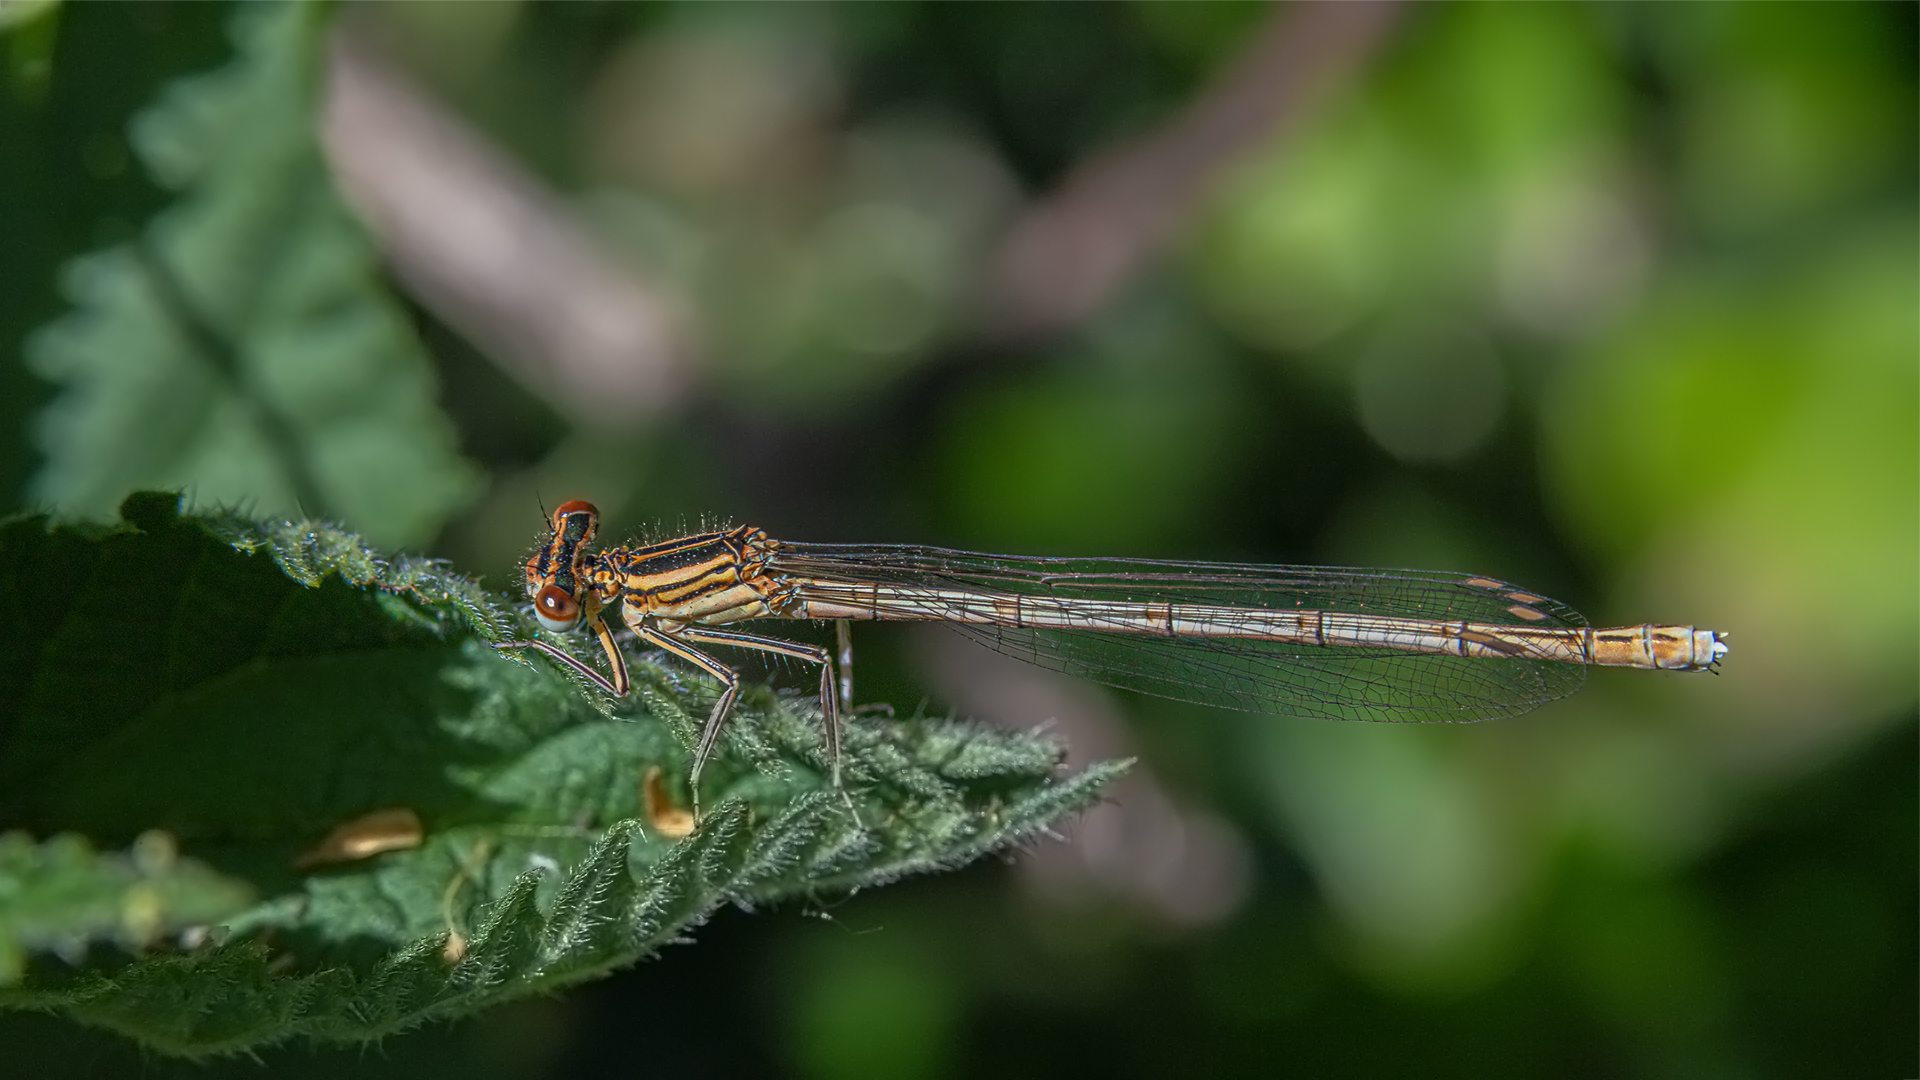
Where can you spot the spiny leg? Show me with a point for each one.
(813, 654)
(621, 682)
(709, 734)
(843, 635)
(829, 707)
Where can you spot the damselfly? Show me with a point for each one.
(1303, 640)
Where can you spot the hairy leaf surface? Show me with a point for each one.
(431, 826)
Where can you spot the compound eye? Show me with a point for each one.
(556, 609)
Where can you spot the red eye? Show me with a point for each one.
(556, 603)
(556, 608)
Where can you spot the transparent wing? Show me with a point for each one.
(1344, 683)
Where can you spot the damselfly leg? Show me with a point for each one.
(843, 637)
(674, 643)
(813, 654)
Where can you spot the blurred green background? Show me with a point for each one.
(1619, 302)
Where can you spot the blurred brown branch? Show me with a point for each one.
(1075, 249)
(1183, 864)
(493, 253)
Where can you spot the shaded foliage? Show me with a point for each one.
(242, 344)
(264, 693)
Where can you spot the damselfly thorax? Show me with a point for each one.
(1304, 640)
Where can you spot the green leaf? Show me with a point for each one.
(242, 346)
(270, 695)
(27, 32)
(61, 896)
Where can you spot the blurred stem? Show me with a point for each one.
(1074, 250)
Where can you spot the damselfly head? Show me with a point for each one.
(557, 572)
(576, 510)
